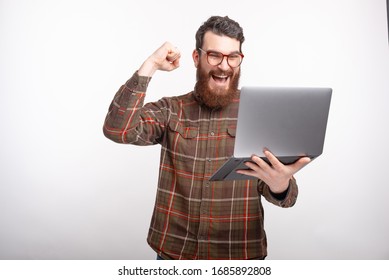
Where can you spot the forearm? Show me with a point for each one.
(123, 114)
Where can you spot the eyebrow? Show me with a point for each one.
(234, 52)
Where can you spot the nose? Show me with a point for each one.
(224, 64)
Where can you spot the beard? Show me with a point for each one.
(215, 98)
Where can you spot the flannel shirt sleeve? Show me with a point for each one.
(290, 197)
(128, 120)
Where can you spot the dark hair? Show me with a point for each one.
(220, 26)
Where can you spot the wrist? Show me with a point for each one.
(280, 188)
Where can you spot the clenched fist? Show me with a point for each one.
(165, 58)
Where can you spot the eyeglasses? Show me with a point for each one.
(216, 58)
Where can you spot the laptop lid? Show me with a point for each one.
(289, 121)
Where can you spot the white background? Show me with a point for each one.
(66, 192)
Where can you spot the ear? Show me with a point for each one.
(196, 58)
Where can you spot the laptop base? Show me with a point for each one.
(228, 170)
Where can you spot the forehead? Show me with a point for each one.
(219, 43)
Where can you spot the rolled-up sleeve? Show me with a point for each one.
(128, 120)
(290, 197)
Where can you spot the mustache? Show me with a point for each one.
(220, 73)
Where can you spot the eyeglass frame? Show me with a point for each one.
(224, 55)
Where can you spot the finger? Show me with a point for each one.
(254, 170)
(300, 163)
(176, 62)
(252, 166)
(273, 160)
(245, 172)
(172, 61)
(260, 163)
(173, 54)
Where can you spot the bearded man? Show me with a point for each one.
(194, 218)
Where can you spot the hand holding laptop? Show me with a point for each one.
(276, 175)
(290, 121)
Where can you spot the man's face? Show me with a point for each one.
(216, 85)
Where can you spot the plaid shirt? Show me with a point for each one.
(193, 218)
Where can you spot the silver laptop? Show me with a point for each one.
(289, 121)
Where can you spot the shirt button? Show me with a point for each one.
(212, 133)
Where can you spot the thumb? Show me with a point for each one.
(301, 163)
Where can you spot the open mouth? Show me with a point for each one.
(220, 79)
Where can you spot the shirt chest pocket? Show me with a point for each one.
(224, 144)
(183, 141)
